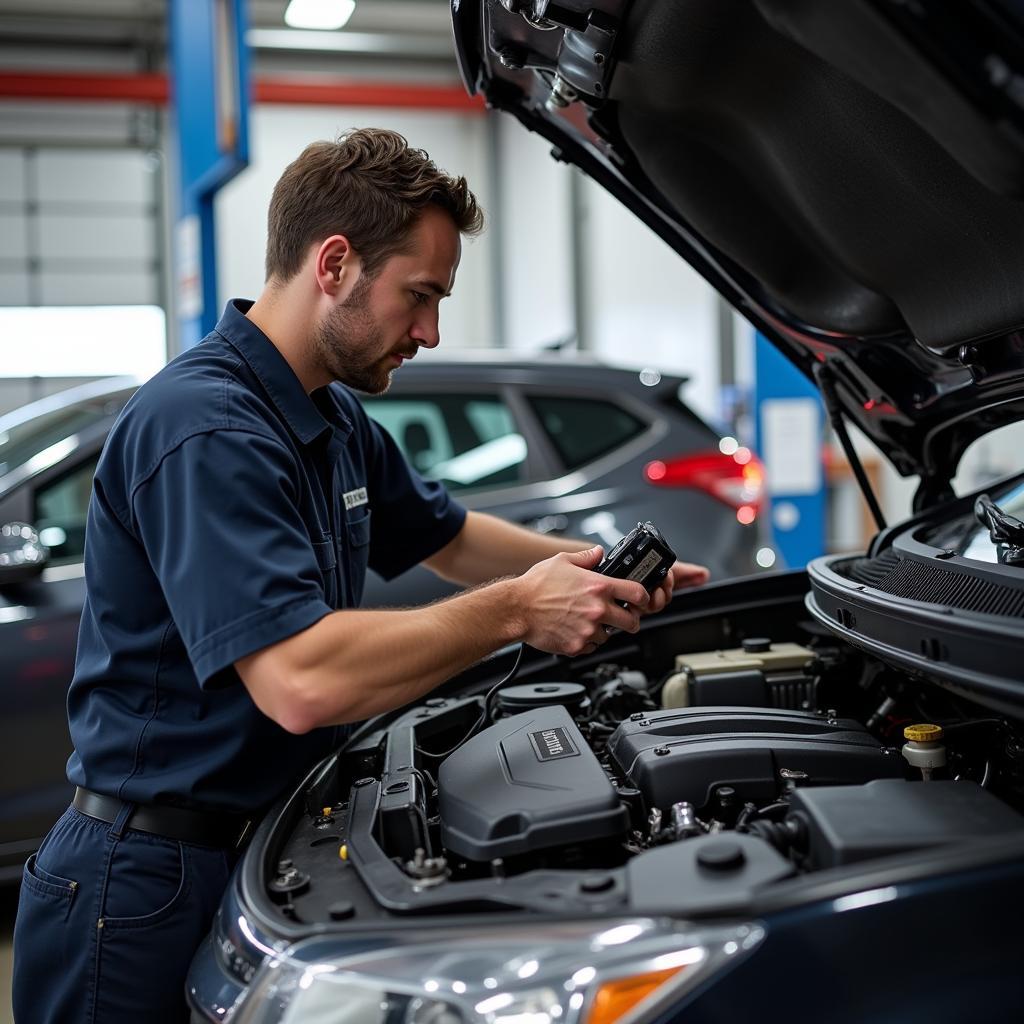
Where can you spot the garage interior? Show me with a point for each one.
(96, 282)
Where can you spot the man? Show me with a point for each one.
(235, 509)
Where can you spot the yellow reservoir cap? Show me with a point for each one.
(923, 733)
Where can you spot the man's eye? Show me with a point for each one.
(420, 297)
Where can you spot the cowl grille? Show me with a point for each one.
(902, 577)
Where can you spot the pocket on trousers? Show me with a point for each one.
(148, 880)
(143, 958)
(42, 883)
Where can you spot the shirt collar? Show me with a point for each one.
(272, 369)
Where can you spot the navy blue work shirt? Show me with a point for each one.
(230, 510)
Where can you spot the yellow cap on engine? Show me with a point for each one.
(343, 852)
(923, 733)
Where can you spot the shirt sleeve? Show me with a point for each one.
(219, 520)
(413, 518)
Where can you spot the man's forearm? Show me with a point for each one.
(354, 664)
(488, 547)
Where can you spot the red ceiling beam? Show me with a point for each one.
(119, 88)
(154, 88)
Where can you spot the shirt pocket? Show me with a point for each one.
(357, 555)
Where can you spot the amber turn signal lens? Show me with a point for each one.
(616, 998)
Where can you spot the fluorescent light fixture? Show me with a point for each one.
(421, 46)
(319, 14)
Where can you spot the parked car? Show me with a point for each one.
(789, 797)
(48, 455)
(559, 444)
(573, 446)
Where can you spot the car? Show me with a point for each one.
(48, 456)
(568, 444)
(560, 443)
(795, 796)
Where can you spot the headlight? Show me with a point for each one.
(575, 973)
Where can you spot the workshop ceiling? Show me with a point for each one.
(418, 30)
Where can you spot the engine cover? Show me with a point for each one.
(527, 783)
(686, 754)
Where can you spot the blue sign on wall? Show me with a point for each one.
(790, 442)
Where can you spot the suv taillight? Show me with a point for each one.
(737, 480)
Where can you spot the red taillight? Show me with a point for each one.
(736, 479)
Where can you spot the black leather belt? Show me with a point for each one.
(204, 828)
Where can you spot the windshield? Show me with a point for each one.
(967, 537)
(42, 438)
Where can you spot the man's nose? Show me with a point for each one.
(426, 332)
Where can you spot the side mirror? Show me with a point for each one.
(22, 557)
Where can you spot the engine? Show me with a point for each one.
(688, 791)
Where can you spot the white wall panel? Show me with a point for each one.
(89, 236)
(72, 175)
(27, 121)
(14, 289)
(14, 235)
(12, 175)
(535, 230)
(456, 142)
(98, 288)
(645, 304)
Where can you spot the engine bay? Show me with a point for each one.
(665, 773)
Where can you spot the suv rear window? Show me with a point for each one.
(467, 441)
(584, 429)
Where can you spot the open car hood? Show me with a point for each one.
(849, 175)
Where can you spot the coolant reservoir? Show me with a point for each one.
(758, 674)
(924, 748)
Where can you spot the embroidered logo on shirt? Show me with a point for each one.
(354, 498)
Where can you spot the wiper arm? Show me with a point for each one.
(1004, 530)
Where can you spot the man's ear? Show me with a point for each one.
(336, 266)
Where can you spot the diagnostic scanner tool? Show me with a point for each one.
(642, 555)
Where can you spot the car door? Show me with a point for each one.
(38, 635)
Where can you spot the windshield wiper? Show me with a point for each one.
(1004, 530)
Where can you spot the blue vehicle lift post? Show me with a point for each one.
(210, 96)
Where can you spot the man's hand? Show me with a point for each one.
(682, 574)
(565, 606)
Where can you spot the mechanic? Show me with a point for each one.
(237, 504)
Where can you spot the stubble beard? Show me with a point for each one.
(349, 345)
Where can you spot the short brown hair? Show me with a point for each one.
(368, 185)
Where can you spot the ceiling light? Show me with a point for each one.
(319, 14)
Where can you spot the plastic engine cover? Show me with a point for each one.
(527, 783)
(687, 754)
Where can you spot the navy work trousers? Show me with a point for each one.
(108, 920)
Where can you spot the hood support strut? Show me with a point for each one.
(826, 383)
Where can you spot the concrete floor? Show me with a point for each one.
(8, 906)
